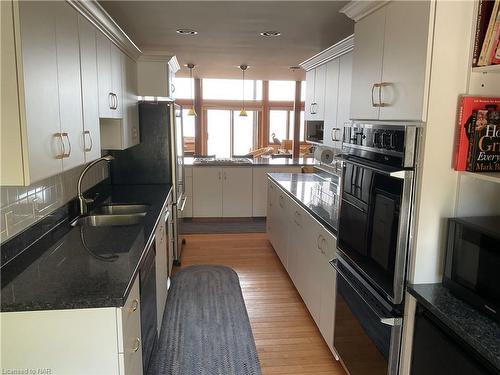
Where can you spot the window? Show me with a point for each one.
(244, 132)
(282, 90)
(231, 89)
(184, 88)
(188, 132)
(303, 91)
(281, 125)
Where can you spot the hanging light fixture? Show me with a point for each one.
(243, 112)
(191, 111)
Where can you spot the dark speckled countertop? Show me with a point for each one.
(316, 192)
(476, 329)
(66, 274)
(259, 162)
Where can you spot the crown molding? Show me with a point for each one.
(101, 19)
(338, 49)
(357, 10)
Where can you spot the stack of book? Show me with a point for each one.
(487, 37)
(478, 134)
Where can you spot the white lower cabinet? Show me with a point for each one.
(161, 269)
(305, 248)
(94, 341)
(222, 191)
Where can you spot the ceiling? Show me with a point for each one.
(228, 33)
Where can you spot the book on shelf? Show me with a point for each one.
(466, 107)
(484, 140)
(485, 8)
(490, 35)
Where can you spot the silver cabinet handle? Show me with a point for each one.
(319, 241)
(135, 305)
(382, 85)
(225, 176)
(116, 101)
(334, 136)
(137, 344)
(375, 85)
(110, 100)
(172, 88)
(281, 201)
(65, 135)
(63, 147)
(85, 133)
(220, 175)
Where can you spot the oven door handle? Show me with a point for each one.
(401, 174)
(183, 204)
(390, 321)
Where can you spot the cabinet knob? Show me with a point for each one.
(135, 305)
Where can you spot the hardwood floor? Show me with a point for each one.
(288, 341)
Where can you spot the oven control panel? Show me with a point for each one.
(377, 138)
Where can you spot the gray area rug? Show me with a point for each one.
(253, 225)
(205, 330)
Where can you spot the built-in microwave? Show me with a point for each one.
(472, 265)
(314, 131)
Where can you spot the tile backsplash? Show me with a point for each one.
(22, 206)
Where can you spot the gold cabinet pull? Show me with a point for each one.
(65, 135)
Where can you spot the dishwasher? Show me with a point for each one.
(148, 306)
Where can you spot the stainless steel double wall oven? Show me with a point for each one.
(373, 243)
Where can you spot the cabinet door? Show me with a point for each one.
(330, 133)
(104, 76)
(90, 91)
(405, 61)
(237, 192)
(271, 209)
(70, 88)
(367, 65)
(41, 104)
(207, 192)
(161, 269)
(319, 92)
(282, 209)
(327, 310)
(344, 99)
(308, 111)
(116, 80)
(130, 103)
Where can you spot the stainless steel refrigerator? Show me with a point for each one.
(157, 159)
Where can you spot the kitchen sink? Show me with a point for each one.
(109, 220)
(121, 209)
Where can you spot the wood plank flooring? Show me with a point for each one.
(287, 339)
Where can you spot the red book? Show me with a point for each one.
(466, 106)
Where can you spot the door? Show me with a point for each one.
(90, 91)
(207, 192)
(308, 111)
(405, 61)
(237, 192)
(344, 99)
(41, 92)
(70, 89)
(116, 80)
(367, 65)
(330, 130)
(104, 75)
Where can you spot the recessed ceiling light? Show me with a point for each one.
(186, 31)
(270, 33)
(295, 67)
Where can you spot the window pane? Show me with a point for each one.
(219, 133)
(231, 89)
(277, 125)
(302, 125)
(282, 90)
(303, 91)
(243, 132)
(188, 132)
(184, 88)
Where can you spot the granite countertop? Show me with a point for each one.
(476, 329)
(84, 267)
(259, 162)
(317, 192)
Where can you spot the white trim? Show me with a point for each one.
(101, 19)
(169, 59)
(174, 64)
(357, 10)
(338, 49)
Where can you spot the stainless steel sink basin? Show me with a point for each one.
(121, 209)
(109, 220)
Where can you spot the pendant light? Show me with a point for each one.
(243, 112)
(191, 111)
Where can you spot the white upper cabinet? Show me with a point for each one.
(310, 76)
(331, 129)
(90, 103)
(315, 93)
(344, 99)
(116, 80)
(367, 65)
(69, 84)
(406, 39)
(391, 63)
(130, 103)
(109, 70)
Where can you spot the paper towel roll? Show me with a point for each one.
(323, 154)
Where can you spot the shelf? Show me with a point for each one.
(487, 69)
(487, 176)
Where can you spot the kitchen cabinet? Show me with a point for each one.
(331, 130)
(259, 183)
(110, 336)
(90, 104)
(344, 97)
(109, 70)
(161, 268)
(390, 66)
(157, 77)
(222, 192)
(315, 94)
